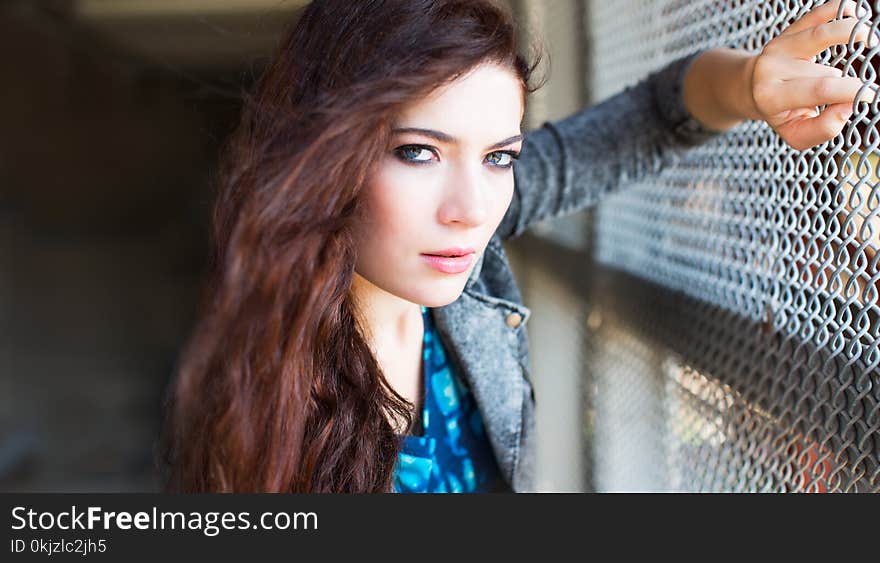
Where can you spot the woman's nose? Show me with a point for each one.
(464, 199)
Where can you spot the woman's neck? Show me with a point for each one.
(391, 323)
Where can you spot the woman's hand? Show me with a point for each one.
(782, 85)
(787, 85)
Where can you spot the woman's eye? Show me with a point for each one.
(415, 153)
(420, 154)
(501, 159)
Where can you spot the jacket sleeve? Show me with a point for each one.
(568, 165)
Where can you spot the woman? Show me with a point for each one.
(343, 348)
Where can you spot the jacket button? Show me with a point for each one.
(513, 320)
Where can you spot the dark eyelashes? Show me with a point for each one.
(514, 156)
(401, 150)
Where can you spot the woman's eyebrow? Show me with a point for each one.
(449, 139)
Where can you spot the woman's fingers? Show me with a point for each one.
(810, 92)
(805, 133)
(810, 42)
(819, 15)
(785, 69)
(787, 85)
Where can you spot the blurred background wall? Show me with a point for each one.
(112, 114)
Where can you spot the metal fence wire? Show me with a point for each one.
(733, 332)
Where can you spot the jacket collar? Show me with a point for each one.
(507, 305)
(475, 335)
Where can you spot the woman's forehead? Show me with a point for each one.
(484, 104)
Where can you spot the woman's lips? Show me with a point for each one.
(449, 264)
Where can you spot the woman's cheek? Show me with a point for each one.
(504, 201)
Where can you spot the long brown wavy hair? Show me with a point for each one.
(277, 389)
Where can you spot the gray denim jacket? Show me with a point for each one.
(564, 167)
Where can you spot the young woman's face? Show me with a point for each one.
(446, 181)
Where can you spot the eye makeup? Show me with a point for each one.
(415, 154)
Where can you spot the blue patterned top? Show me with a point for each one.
(453, 453)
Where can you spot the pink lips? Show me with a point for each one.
(450, 264)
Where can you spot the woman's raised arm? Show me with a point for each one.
(568, 165)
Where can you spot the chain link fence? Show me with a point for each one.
(733, 334)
